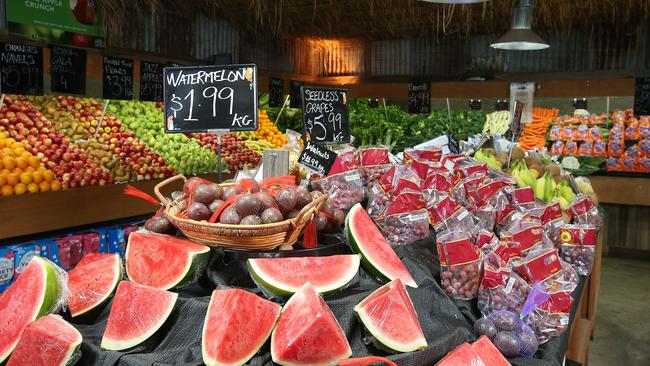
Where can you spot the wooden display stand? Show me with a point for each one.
(582, 329)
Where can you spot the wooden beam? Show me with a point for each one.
(622, 190)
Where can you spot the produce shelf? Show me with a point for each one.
(622, 190)
(42, 212)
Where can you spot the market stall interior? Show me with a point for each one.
(421, 182)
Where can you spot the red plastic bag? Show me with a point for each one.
(406, 219)
(460, 265)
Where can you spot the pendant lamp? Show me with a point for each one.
(521, 37)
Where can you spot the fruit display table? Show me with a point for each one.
(42, 212)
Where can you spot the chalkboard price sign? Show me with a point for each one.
(151, 81)
(642, 96)
(419, 98)
(276, 92)
(21, 69)
(295, 98)
(207, 98)
(475, 104)
(325, 113)
(118, 78)
(317, 158)
(67, 70)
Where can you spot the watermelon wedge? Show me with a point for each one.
(388, 314)
(35, 293)
(93, 281)
(48, 341)
(376, 254)
(307, 332)
(164, 261)
(287, 275)
(137, 312)
(237, 325)
(489, 352)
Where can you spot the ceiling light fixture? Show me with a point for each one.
(520, 37)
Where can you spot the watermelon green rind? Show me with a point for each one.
(384, 342)
(49, 297)
(268, 281)
(194, 267)
(74, 348)
(117, 270)
(367, 262)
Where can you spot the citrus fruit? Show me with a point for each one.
(32, 187)
(38, 177)
(13, 179)
(20, 188)
(48, 176)
(9, 162)
(3, 180)
(26, 178)
(44, 186)
(56, 185)
(7, 190)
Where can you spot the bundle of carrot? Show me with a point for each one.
(534, 134)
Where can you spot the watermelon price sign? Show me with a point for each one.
(317, 158)
(325, 115)
(21, 69)
(151, 81)
(118, 78)
(67, 70)
(206, 98)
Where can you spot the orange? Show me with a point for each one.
(38, 177)
(26, 178)
(7, 190)
(2, 165)
(17, 171)
(29, 169)
(56, 185)
(44, 186)
(19, 151)
(32, 188)
(5, 171)
(13, 179)
(3, 180)
(9, 162)
(21, 162)
(48, 176)
(33, 162)
(20, 189)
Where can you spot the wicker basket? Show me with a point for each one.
(244, 237)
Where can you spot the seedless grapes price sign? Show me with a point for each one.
(325, 113)
(210, 98)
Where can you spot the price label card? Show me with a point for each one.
(501, 105)
(325, 115)
(67, 70)
(295, 100)
(21, 69)
(317, 158)
(642, 96)
(419, 98)
(202, 98)
(516, 117)
(276, 92)
(475, 104)
(151, 81)
(118, 78)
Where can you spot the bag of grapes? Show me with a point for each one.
(380, 195)
(445, 213)
(584, 211)
(578, 246)
(501, 288)
(374, 162)
(343, 182)
(460, 265)
(406, 219)
(427, 155)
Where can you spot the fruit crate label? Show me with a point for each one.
(419, 98)
(151, 81)
(317, 158)
(325, 115)
(21, 69)
(67, 70)
(118, 78)
(276, 92)
(202, 98)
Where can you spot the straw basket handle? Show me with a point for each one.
(306, 214)
(165, 182)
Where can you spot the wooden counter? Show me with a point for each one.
(622, 190)
(42, 212)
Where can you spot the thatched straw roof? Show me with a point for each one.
(378, 19)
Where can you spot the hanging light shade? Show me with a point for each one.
(455, 1)
(521, 37)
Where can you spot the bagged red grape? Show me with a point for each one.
(584, 211)
(551, 318)
(527, 233)
(578, 247)
(523, 198)
(501, 288)
(445, 213)
(374, 163)
(343, 182)
(511, 336)
(427, 155)
(380, 195)
(460, 265)
(406, 220)
(486, 240)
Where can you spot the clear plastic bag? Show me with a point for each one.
(527, 233)
(501, 288)
(345, 189)
(551, 318)
(428, 155)
(406, 219)
(460, 265)
(84, 273)
(374, 163)
(511, 336)
(445, 213)
(578, 247)
(584, 211)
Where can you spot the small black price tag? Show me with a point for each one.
(317, 158)
(501, 105)
(419, 98)
(579, 103)
(475, 104)
(21, 69)
(151, 81)
(276, 92)
(642, 96)
(67, 70)
(295, 100)
(516, 117)
(325, 115)
(118, 78)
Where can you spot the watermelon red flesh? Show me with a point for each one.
(163, 261)
(489, 352)
(93, 281)
(390, 317)
(48, 341)
(237, 325)
(137, 312)
(377, 255)
(307, 332)
(462, 355)
(35, 293)
(287, 275)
